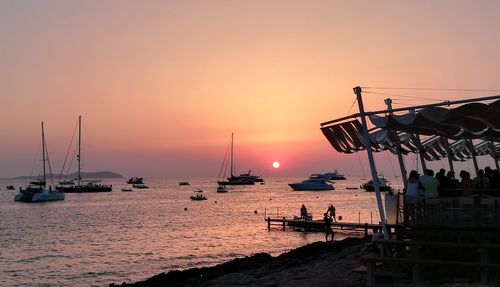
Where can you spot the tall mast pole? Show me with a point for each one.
(231, 155)
(78, 157)
(43, 154)
(357, 91)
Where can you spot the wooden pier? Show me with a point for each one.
(319, 225)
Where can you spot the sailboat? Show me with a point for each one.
(243, 179)
(83, 186)
(37, 191)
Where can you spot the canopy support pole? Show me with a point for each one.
(449, 155)
(376, 184)
(421, 152)
(473, 152)
(388, 102)
(493, 154)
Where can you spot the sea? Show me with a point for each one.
(95, 239)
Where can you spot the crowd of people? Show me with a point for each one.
(429, 185)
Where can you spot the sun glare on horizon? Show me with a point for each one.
(276, 164)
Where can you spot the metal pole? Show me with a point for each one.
(421, 152)
(376, 184)
(493, 154)
(388, 102)
(231, 155)
(43, 155)
(474, 159)
(78, 157)
(449, 155)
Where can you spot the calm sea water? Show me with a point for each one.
(97, 239)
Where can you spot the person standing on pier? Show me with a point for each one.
(331, 212)
(303, 212)
(328, 227)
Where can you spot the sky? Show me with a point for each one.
(161, 85)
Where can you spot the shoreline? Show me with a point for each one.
(314, 264)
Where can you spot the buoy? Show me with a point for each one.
(216, 201)
(185, 208)
(255, 211)
(340, 217)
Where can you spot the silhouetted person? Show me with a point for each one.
(303, 212)
(495, 179)
(481, 181)
(328, 227)
(466, 182)
(331, 212)
(430, 184)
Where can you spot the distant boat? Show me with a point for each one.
(383, 184)
(183, 183)
(126, 189)
(198, 196)
(135, 180)
(140, 186)
(312, 184)
(89, 186)
(335, 175)
(11, 187)
(242, 179)
(67, 182)
(37, 191)
(221, 189)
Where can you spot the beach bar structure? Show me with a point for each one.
(456, 234)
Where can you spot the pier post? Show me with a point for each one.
(269, 223)
(366, 229)
(283, 223)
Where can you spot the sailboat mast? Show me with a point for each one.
(43, 154)
(231, 155)
(79, 146)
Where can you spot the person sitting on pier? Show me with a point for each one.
(303, 212)
(328, 227)
(331, 212)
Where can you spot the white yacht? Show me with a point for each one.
(312, 184)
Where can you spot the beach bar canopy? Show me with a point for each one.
(398, 132)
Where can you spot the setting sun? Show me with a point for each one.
(276, 164)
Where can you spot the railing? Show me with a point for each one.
(453, 211)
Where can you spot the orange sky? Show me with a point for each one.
(162, 84)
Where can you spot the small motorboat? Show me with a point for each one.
(126, 189)
(135, 180)
(221, 188)
(351, 187)
(11, 187)
(383, 184)
(183, 183)
(140, 186)
(198, 196)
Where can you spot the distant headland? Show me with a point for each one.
(86, 175)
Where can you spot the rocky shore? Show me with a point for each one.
(317, 264)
